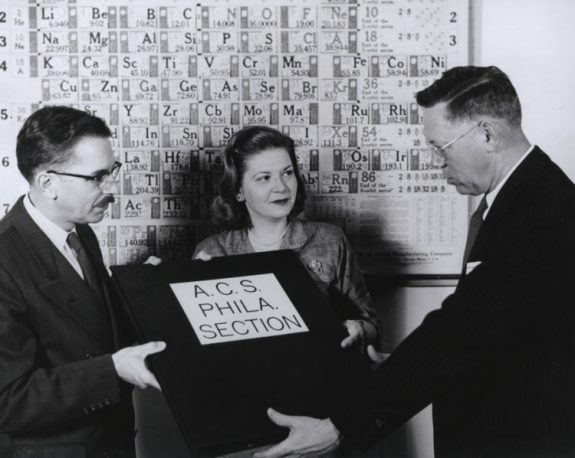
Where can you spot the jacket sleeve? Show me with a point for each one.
(517, 297)
(34, 396)
(351, 284)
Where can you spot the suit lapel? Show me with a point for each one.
(525, 174)
(58, 280)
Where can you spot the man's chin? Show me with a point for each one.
(96, 219)
(463, 190)
(97, 214)
(459, 187)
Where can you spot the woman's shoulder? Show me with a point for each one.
(211, 240)
(319, 229)
(217, 244)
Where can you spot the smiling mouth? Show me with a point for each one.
(281, 201)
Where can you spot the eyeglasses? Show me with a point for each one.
(440, 150)
(103, 179)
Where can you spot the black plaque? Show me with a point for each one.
(219, 392)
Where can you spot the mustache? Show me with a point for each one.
(106, 200)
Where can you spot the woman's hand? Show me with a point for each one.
(203, 256)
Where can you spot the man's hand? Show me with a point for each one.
(355, 334)
(153, 260)
(130, 364)
(307, 437)
(376, 357)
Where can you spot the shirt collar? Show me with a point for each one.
(490, 196)
(55, 233)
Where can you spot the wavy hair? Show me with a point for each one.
(247, 142)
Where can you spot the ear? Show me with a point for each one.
(45, 183)
(491, 135)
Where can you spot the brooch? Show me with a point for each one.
(316, 266)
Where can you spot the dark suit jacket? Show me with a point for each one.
(497, 360)
(60, 396)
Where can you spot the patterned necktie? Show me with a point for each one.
(85, 264)
(474, 226)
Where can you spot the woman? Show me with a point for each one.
(261, 194)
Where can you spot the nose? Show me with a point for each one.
(437, 161)
(280, 185)
(110, 186)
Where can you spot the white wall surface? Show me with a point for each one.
(532, 41)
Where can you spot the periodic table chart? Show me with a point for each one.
(175, 79)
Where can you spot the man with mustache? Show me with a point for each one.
(65, 370)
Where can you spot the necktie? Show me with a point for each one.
(85, 264)
(474, 226)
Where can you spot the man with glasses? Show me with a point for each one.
(65, 368)
(497, 360)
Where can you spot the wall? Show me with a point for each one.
(532, 42)
(174, 81)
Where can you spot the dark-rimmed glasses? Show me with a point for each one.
(102, 179)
